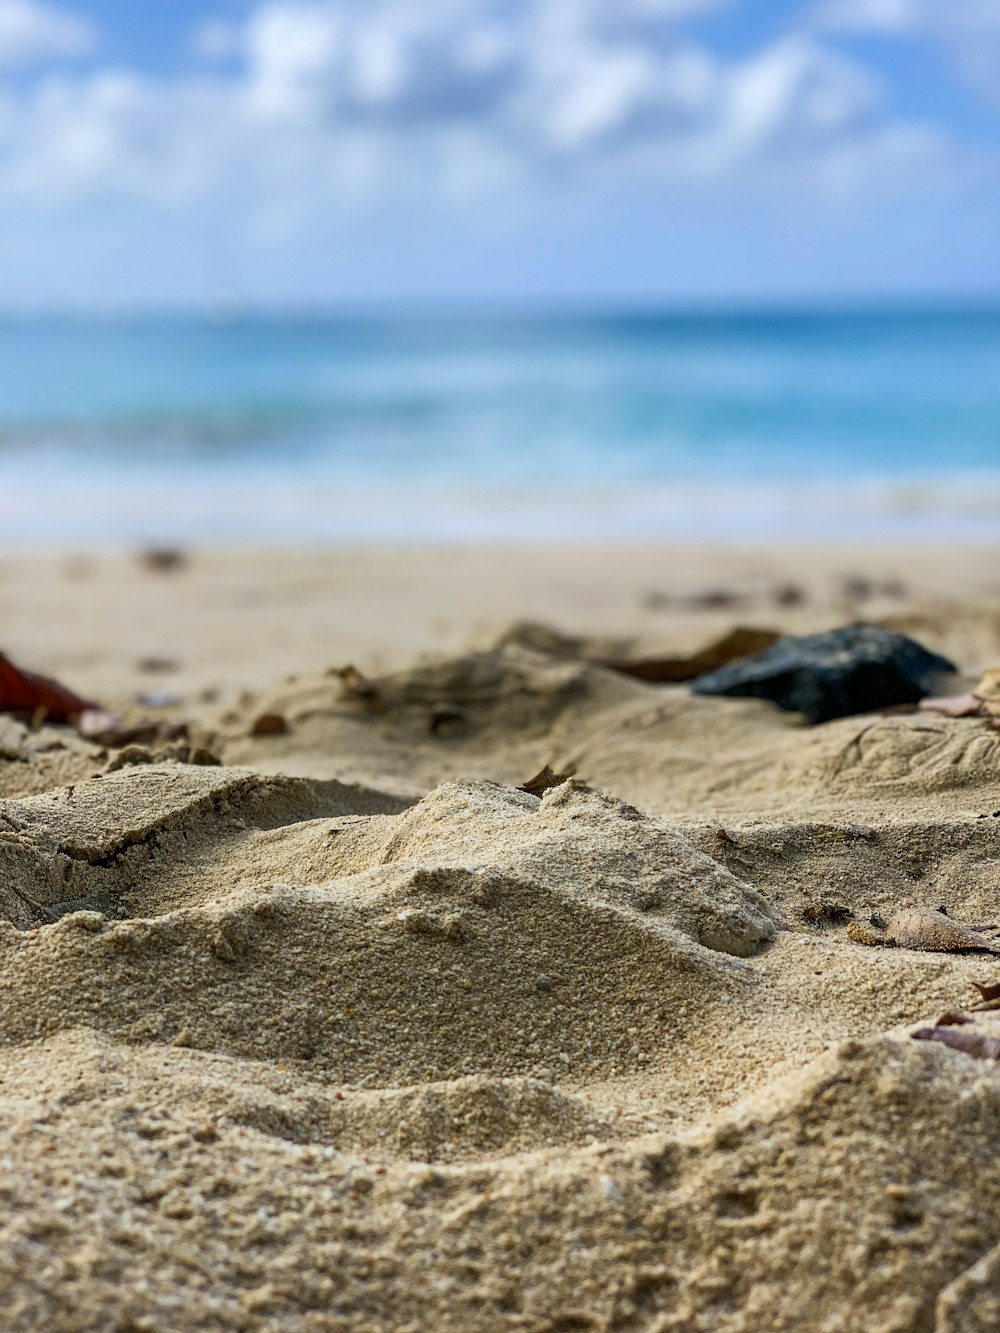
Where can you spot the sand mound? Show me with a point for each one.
(909, 754)
(481, 931)
(470, 1117)
(495, 715)
(106, 835)
(867, 870)
(352, 1063)
(833, 1201)
(503, 715)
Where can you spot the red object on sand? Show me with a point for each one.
(24, 692)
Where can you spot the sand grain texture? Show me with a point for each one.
(349, 1033)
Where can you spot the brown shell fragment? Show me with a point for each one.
(544, 781)
(861, 933)
(961, 1039)
(953, 1018)
(918, 928)
(269, 724)
(988, 688)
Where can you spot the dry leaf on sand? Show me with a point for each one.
(743, 641)
(24, 692)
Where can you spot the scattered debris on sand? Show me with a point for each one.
(920, 928)
(341, 1024)
(163, 559)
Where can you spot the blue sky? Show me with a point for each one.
(407, 151)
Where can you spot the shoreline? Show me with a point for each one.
(328, 513)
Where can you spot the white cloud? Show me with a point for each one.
(31, 31)
(564, 77)
(325, 103)
(112, 134)
(800, 95)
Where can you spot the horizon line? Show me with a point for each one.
(231, 310)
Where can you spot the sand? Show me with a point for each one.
(338, 1028)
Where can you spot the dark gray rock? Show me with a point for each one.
(844, 671)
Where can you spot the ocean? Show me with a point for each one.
(746, 426)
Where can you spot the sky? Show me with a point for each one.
(389, 152)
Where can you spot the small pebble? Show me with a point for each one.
(269, 724)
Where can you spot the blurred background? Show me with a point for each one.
(330, 271)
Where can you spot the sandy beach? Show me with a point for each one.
(343, 1029)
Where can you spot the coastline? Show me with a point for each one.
(97, 504)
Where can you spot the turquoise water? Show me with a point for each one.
(647, 426)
